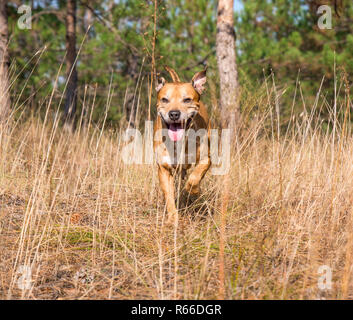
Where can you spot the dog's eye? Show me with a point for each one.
(187, 100)
(164, 100)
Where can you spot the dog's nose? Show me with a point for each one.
(174, 115)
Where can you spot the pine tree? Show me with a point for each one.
(226, 59)
(283, 37)
(71, 72)
(4, 60)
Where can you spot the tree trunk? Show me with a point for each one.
(227, 67)
(71, 73)
(4, 63)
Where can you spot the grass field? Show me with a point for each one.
(78, 223)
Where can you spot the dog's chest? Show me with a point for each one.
(183, 153)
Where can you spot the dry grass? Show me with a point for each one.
(88, 226)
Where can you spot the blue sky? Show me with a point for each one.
(238, 5)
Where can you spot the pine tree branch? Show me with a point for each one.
(110, 26)
(60, 15)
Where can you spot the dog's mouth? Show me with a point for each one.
(176, 130)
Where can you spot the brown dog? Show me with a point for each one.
(180, 113)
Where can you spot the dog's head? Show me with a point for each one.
(178, 102)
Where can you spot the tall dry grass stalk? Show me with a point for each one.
(76, 222)
(153, 76)
(222, 231)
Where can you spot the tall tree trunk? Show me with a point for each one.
(227, 67)
(4, 63)
(71, 72)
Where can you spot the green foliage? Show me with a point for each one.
(282, 36)
(116, 50)
(114, 62)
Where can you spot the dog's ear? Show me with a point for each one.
(173, 74)
(160, 84)
(198, 81)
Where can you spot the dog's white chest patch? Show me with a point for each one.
(167, 160)
(163, 159)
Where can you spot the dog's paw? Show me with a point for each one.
(192, 189)
(192, 186)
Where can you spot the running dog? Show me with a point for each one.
(180, 112)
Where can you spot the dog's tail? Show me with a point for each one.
(173, 74)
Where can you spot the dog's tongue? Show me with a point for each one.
(175, 131)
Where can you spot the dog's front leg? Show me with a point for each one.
(192, 185)
(167, 184)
